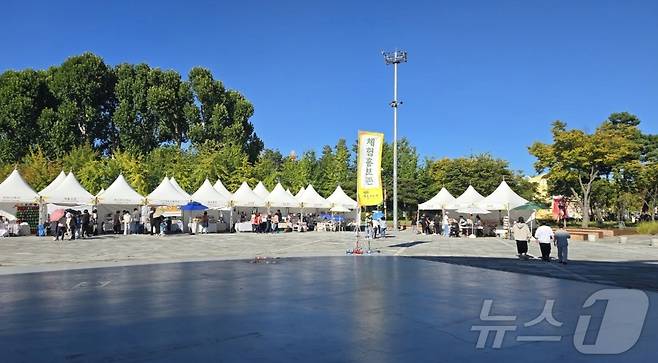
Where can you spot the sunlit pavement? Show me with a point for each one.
(133, 299)
(319, 309)
(633, 264)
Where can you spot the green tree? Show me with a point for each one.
(322, 177)
(171, 102)
(136, 127)
(229, 163)
(648, 186)
(23, 95)
(575, 159)
(408, 187)
(223, 114)
(267, 168)
(84, 88)
(37, 169)
(297, 173)
(341, 171)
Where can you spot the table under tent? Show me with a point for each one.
(244, 200)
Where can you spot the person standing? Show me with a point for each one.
(61, 227)
(117, 222)
(54, 229)
(127, 221)
(446, 225)
(205, 221)
(135, 221)
(70, 224)
(544, 234)
(562, 243)
(94, 222)
(275, 222)
(152, 222)
(86, 218)
(522, 235)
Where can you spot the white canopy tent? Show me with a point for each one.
(311, 199)
(100, 192)
(70, 192)
(339, 199)
(14, 189)
(261, 191)
(503, 198)
(280, 198)
(299, 194)
(245, 197)
(222, 189)
(166, 195)
(120, 193)
(53, 184)
(210, 197)
(469, 198)
(442, 200)
(182, 191)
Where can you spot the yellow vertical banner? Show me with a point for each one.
(369, 168)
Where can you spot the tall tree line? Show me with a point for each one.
(130, 107)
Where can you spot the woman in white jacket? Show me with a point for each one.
(522, 235)
(127, 219)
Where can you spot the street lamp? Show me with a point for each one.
(396, 57)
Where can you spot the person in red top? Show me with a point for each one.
(258, 221)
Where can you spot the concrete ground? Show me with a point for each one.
(317, 309)
(634, 264)
(133, 299)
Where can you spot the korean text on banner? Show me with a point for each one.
(369, 182)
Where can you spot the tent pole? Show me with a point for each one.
(509, 225)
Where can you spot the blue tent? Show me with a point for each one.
(193, 206)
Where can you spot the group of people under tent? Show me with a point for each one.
(276, 222)
(448, 226)
(83, 224)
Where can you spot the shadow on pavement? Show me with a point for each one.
(409, 244)
(638, 274)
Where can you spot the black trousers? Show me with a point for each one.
(521, 247)
(545, 251)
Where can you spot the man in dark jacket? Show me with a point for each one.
(117, 222)
(85, 224)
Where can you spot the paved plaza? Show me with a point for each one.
(418, 299)
(633, 264)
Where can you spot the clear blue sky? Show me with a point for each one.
(483, 76)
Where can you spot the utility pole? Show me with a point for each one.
(395, 58)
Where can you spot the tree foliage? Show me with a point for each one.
(134, 108)
(576, 160)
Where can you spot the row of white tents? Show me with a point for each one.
(501, 199)
(66, 190)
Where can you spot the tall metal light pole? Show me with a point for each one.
(396, 57)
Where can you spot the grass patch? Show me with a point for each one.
(647, 228)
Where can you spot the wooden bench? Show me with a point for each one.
(582, 234)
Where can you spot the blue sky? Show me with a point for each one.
(482, 76)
